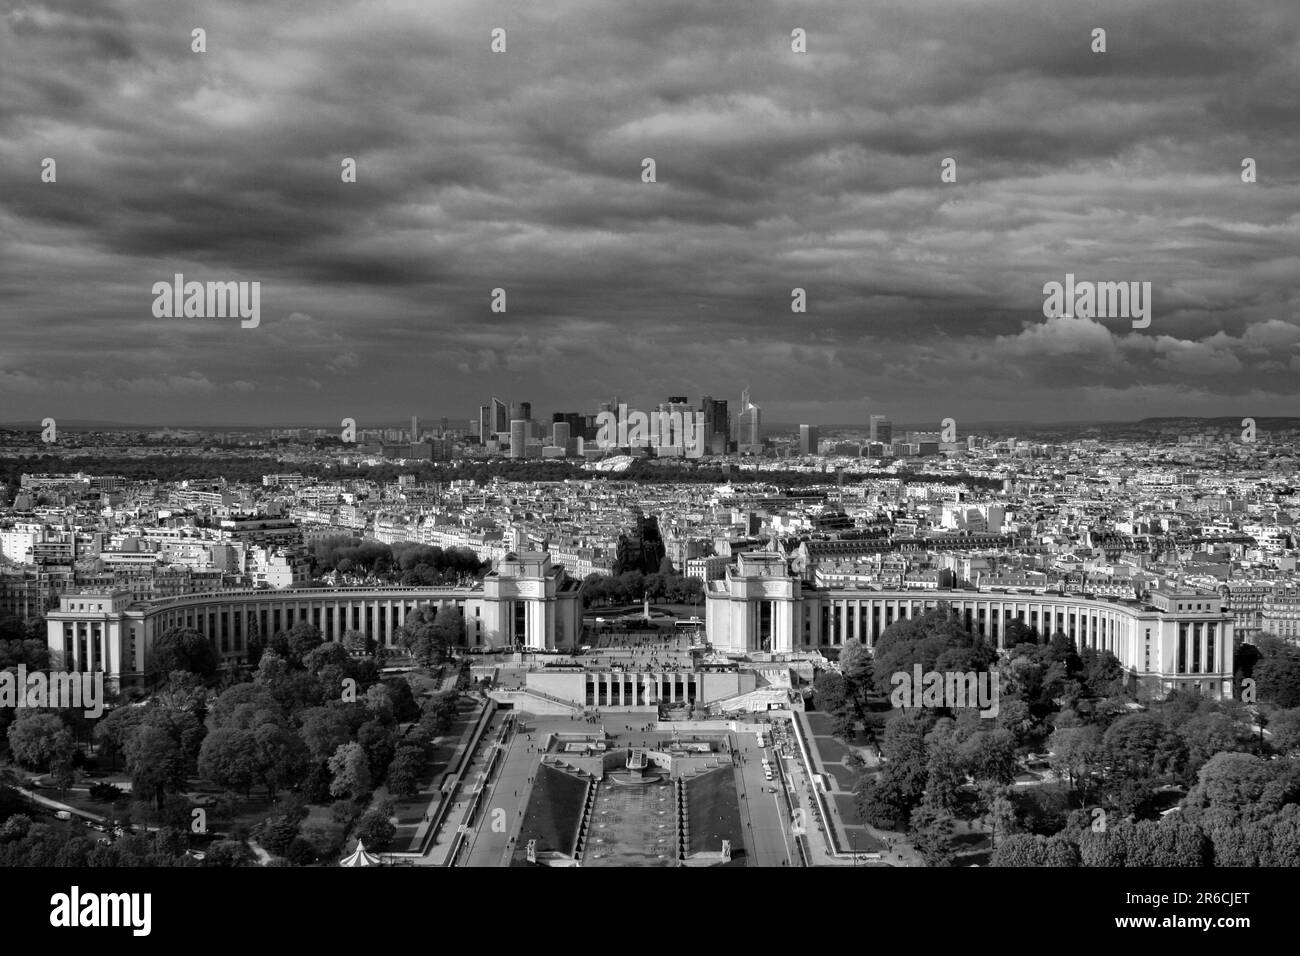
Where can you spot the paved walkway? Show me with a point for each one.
(767, 838)
(895, 850)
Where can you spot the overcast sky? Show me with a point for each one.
(522, 170)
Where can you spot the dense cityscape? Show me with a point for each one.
(1130, 588)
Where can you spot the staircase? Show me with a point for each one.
(683, 837)
(584, 824)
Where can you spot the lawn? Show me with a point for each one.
(820, 723)
(831, 750)
(844, 777)
(848, 811)
(81, 800)
(410, 812)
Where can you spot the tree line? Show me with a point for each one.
(607, 590)
(405, 563)
(169, 468)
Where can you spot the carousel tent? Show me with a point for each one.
(360, 857)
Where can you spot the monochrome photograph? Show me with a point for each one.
(626, 435)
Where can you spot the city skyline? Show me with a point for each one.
(395, 422)
(776, 171)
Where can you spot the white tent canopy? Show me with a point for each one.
(360, 857)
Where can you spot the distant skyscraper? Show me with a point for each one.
(415, 429)
(808, 439)
(500, 418)
(560, 435)
(717, 425)
(523, 410)
(749, 427)
(667, 431)
(881, 430)
(573, 420)
(484, 423)
(518, 438)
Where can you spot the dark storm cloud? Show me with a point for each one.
(522, 171)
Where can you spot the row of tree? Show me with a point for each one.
(406, 563)
(607, 590)
(171, 468)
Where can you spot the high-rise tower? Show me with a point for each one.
(749, 428)
(717, 425)
(880, 430)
